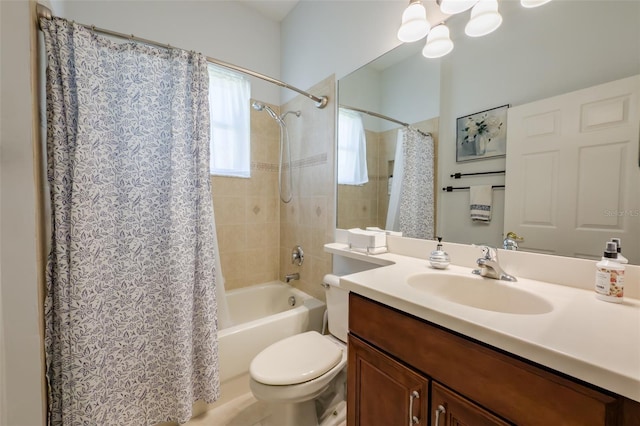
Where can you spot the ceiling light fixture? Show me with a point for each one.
(533, 3)
(438, 42)
(451, 7)
(485, 19)
(414, 23)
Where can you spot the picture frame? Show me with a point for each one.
(482, 135)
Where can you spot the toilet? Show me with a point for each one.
(303, 377)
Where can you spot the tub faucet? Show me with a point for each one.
(489, 266)
(290, 277)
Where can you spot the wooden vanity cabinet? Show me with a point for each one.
(392, 353)
(388, 393)
(450, 409)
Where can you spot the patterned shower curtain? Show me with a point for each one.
(415, 206)
(130, 310)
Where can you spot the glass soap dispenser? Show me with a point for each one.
(439, 258)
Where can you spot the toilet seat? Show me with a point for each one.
(296, 359)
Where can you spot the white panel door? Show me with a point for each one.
(573, 172)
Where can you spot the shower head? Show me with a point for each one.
(257, 106)
(296, 113)
(260, 107)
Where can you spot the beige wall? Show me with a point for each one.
(309, 219)
(247, 211)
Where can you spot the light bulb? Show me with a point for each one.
(438, 42)
(484, 19)
(414, 23)
(533, 3)
(451, 7)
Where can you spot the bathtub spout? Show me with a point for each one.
(290, 277)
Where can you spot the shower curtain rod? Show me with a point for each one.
(44, 12)
(384, 117)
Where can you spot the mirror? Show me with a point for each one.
(535, 54)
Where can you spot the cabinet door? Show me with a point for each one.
(381, 391)
(450, 409)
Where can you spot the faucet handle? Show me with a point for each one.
(297, 255)
(489, 253)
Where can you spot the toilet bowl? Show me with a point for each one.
(292, 373)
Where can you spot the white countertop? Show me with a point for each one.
(583, 337)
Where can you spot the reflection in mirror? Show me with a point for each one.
(536, 54)
(378, 93)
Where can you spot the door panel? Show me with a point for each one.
(572, 171)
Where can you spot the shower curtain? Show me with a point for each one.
(130, 309)
(411, 206)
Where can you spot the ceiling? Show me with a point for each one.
(276, 10)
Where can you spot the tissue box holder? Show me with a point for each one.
(369, 242)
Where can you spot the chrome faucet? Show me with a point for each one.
(511, 241)
(489, 266)
(290, 277)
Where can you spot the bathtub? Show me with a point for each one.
(262, 315)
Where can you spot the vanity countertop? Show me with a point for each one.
(581, 336)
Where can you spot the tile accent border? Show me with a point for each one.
(314, 160)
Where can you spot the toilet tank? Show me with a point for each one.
(337, 307)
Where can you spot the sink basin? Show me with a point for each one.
(481, 293)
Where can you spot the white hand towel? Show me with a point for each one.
(480, 200)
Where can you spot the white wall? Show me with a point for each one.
(356, 91)
(582, 43)
(411, 90)
(408, 90)
(321, 38)
(225, 30)
(20, 355)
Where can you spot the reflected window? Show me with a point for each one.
(352, 149)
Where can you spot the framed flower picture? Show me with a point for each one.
(482, 135)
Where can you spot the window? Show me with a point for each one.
(352, 149)
(229, 95)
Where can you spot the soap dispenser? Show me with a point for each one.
(621, 259)
(610, 275)
(439, 258)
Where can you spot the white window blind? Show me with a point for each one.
(229, 97)
(352, 149)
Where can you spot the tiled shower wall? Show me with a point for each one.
(247, 211)
(256, 231)
(309, 219)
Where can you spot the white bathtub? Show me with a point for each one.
(261, 315)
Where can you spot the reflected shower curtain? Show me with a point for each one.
(411, 204)
(130, 335)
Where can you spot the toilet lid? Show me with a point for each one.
(296, 359)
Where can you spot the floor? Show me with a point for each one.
(244, 410)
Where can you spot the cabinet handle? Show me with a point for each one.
(439, 410)
(413, 420)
